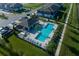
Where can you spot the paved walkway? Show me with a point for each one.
(62, 36)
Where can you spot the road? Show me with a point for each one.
(64, 29)
(11, 18)
(14, 17)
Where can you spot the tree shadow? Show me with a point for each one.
(51, 48)
(8, 47)
(5, 38)
(74, 31)
(70, 25)
(74, 39)
(73, 50)
(2, 53)
(73, 27)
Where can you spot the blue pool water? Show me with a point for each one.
(45, 32)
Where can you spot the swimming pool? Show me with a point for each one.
(45, 32)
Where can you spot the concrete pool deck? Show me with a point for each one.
(32, 37)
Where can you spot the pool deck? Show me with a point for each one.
(50, 36)
(32, 37)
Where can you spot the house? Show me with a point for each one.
(5, 31)
(51, 12)
(26, 22)
(11, 7)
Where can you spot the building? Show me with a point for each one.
(5, 32)
(51, 12)
(26, 22)
(11, 7)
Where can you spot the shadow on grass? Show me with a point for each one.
(74, 31)
(74, 39)
(10, 50)
(7, 46)
(74, 27)
(73, 50)
(51, 48)
(2, 53)
(5, 37)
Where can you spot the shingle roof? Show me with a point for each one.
(10, 6)
(54, 7)
(5, 31)
(32, 20)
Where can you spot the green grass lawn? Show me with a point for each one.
(70, 44)
(32, 5)
(21, 46)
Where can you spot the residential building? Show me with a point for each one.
(11, 7)
(5, 32)
(26, 22)
(51, 12)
